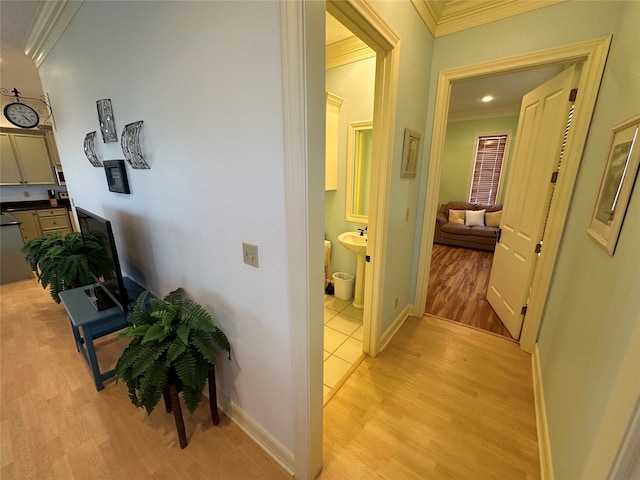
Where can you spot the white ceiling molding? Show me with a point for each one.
(450, 16)
(345, 51)
(50, 22)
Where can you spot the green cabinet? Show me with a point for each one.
(25, 158)
(35, 223)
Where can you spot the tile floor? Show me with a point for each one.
(342, 339)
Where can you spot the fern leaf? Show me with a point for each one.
(186, 368)
(148, 354)
(202, 344)
(197, 317)
(155, 332)
(133, 332)
(221, 340)
(175, 350)
(175, 297)
(183, 333)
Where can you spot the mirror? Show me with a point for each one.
(360, 141)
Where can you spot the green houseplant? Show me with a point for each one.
(66, 261)
(173, 341)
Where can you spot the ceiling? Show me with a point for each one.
(17, 70)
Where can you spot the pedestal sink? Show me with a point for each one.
(356, 243)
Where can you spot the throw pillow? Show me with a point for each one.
(475, 218)
(492, 219)
(456, 216)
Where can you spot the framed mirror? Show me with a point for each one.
(359, 143)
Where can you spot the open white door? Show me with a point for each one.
(541, 127)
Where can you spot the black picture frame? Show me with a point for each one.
(116, 173)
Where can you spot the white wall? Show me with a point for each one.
(593, 303)
(205, 77)
(355, 83)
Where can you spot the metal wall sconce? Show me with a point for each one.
(107, 123)
(90, 149)
(131, 148)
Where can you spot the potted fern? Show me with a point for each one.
(173, 344)
(66, 261)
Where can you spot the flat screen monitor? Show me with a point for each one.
(97, 234)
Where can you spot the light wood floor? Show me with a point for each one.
(458, 282)
(442, 401)
(55, 425)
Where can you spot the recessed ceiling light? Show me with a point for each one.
(487, 98)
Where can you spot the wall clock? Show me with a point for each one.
(21, 115)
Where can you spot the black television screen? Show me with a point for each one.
(97, 235)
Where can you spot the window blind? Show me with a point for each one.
(487, 169)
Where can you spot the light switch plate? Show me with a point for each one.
(250, 254)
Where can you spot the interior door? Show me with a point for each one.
(543, 119)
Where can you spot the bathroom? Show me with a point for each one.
(350, 81)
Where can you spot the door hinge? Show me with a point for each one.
(539, 248)
(367, 258)
(523, 311)
(554, 177)
(499, 235)
(573, 95)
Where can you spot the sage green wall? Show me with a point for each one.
(355, 83)
(593, 302)
(416, 47)
(459, 151)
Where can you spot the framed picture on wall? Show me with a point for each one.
(116, 173)
(616, 184)
(410, 149)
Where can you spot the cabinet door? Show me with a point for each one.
(53, 149)
(29, 225)
(34, 158)
(9, 173)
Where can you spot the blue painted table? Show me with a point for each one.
(87, 323)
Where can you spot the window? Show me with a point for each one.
(487, 168)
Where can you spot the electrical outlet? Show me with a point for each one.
(395, 303)
(250, 254)
(26, 194)
(406, 215)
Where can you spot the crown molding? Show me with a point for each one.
(443, 18)
(51, 21)
(345, 51)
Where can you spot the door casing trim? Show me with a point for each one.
(592, 54)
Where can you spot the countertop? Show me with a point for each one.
(7, 219)
(33, 205)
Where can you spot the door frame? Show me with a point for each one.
(303, 70)
(371, 28)
(592, 54)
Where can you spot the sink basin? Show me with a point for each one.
(354, 242)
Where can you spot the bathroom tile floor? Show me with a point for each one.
(342, 340)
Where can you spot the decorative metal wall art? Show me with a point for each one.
(107, 122)
(41, 106)
(116, 173)
(90, 149)
(131, 148)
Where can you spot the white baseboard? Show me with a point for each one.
(395, 326)
(544, 444)
(270, 445)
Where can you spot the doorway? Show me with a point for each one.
(483, 118)
(350, 84)
(593, 55)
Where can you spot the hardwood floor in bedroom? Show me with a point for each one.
(458, 282)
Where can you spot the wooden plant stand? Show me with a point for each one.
(172, 404)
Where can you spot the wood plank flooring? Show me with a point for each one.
(442, 401)
(55, 425)
(458, 282)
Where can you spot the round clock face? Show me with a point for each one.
(21, 115)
